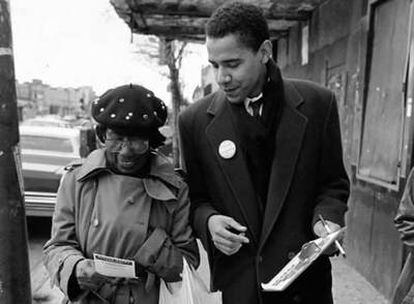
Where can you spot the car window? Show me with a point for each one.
(46, 123)
(46, 143)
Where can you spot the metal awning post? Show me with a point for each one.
(14, 261)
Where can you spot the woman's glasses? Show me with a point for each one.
(136, 144)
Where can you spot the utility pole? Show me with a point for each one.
(14, 261)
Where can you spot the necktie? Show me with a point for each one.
(255, 106)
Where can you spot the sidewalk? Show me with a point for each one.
(349, 287)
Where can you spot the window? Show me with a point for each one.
(305, 44)
(384, 116)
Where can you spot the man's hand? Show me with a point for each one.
(320, 230)
(87, 276)
(227, 234)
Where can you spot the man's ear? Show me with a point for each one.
(266, 50)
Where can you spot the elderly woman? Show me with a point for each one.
(125, 201)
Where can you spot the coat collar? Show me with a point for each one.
(161, 169)
(94, 164)
(234, 170)
(289, 138)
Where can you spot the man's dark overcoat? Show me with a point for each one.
(307, 179)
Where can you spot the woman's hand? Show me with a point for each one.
(87, 276)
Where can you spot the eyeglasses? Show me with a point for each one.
(139, 145)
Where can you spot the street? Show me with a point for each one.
(349, 287)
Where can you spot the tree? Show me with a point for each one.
(173, 54)
(168, 52)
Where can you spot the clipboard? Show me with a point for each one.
(309, 253)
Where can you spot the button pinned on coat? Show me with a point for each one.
(227, 149)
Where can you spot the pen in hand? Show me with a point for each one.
(337, 244)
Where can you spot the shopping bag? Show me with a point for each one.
(191, 290)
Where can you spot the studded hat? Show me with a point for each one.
(130, 109)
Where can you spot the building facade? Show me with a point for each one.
(37, 98)
(363, 51)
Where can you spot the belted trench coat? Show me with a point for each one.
(142, 219)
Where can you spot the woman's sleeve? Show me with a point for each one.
(62, 252)
(163, 253)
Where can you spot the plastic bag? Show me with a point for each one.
(191, 290)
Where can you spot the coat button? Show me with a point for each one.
(297, 299)
(95, 222)
(291, 255)
(260, 259)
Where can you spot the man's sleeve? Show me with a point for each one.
(333, 182)
(201, 208)
(62, 252)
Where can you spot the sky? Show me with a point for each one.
(72, 43)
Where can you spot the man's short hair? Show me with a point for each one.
(245, 20)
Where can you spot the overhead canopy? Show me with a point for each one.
(185, 19)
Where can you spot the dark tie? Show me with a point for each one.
(256, 107)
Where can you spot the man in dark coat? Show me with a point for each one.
(264, 159)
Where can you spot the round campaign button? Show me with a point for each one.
(227, 149)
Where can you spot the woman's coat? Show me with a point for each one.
(143, 219)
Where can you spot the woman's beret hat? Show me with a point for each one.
(130, 108)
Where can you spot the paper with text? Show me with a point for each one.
(114, 267)
(308, 254)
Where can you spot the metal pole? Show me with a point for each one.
(14, 261)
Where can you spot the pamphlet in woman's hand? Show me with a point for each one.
(114, 267)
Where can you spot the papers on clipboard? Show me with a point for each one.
(309, 253)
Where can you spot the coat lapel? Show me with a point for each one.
(289, 138)
(234, 169)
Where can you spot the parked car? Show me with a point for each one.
(47, 121)
(45, 153)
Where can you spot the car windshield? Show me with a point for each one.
(46, 143)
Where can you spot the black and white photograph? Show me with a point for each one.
(206, 152)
